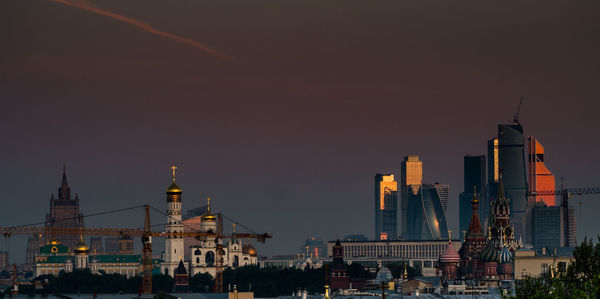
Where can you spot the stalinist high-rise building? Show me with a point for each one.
(174, 249)
(64, 213)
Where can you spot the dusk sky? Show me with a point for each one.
(283, 111)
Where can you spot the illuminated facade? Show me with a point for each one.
(64, 213)
(540, 177)
(493, 171)
(511, 154)
(410, 184)
(386, 207)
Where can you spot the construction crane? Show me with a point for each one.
(146, 235)
(566, 194)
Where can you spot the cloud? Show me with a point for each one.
(88, 6)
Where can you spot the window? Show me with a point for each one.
(544, 268)
(562, 266)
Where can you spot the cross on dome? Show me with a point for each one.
(173, 168)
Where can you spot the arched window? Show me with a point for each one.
(209, 259)
(197, 260)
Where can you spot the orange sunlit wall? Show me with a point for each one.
(386, 187)
(540, 177)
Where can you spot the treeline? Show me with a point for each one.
(264, 282)
(580, 280)
(83, 281)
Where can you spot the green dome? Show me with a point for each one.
(489, 253)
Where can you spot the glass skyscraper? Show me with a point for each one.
(386, 207)
(511, 154)
(422, 212)
(426, 219)
(410, 185)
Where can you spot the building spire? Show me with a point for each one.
(64, 192)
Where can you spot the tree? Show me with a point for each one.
(356, 270)
(202, 283)
(581, 280)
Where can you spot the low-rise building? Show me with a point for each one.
(55, 257)
(376, 254)
(533, 263)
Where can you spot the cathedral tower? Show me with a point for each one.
(174, 250)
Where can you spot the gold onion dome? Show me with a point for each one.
(173, 188)
(81, 247)
(249, 249)
(208, 216)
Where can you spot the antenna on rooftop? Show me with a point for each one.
(516, 116)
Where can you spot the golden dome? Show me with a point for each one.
(208, 216)
(249, 249)
(173, 188)
(81, 247)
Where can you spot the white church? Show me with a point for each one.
(202, 255)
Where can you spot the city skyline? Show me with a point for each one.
(289, 139)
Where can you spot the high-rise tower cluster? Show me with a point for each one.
(422, 206)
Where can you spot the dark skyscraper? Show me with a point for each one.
(474, 179)
(511, 153)
(64, 213)
(386, 207)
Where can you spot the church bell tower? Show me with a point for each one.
(174, 248)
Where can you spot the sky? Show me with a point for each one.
(283, 111)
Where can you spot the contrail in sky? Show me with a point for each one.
(86, 5)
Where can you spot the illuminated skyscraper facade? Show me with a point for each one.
(386, 207)
(540, 177)
(410, 184)
(511, 157)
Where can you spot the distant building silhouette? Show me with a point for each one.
(33, 246)
(386, 207)
(474, 179)
(96, 244)
(64, 213)
(511, 153)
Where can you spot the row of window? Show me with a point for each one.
(430, 251)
